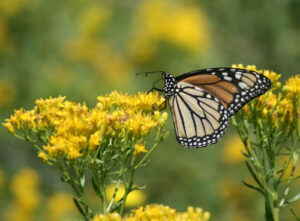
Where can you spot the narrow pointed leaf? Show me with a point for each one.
(294, 214)
(116, 206)
(254, 187)
(253, 175)
(246, 155)
(79, 207)
(82, 181)
(95, 187)
(295, 198)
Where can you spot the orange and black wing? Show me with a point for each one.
(232, 86)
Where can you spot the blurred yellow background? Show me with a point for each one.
(83, 49)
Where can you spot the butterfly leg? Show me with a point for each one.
(163, 106)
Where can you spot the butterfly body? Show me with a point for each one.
(203, 100)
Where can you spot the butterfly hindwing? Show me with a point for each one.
(199, 118)
(232, 86)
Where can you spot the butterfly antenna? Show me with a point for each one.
(149, 72)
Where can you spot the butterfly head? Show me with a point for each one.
(170, 84)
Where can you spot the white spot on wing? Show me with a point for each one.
(238, 76)
(228, 78)
(242, 85)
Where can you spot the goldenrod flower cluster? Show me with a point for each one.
(281, 103)
(184, 25)
(232, 151)
(269, 129)
(59, 205)
(24, 187)
(157, 212)
(69, 129)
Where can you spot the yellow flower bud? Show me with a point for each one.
(206, 216)
(139, 148)
(9, 127)
(42, 155)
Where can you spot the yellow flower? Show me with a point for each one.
(91, 19)
(280, 105)
(232, 151)
(134, 198)
(184, 25)
(59, 205)
(196, 214)
(161, 118)
(77, 130)
(139, 148)
(157, 212)
(42, 155)
(109, 217)
(9, 127)
(292, 87)
(94, 140)
(24, 186)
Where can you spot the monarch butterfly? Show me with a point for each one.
(202, 101)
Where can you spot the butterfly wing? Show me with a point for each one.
(232, 86)
(199, 118)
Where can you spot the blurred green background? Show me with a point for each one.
(83, 49)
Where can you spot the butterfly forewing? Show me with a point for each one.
(200, 119)
(233, 87)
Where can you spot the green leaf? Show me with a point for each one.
(295, 198)
(290, 178)
(95, 187)
(253, 175)
(99, 161)
(42, 138)
(254, 187)
(64, 179)
(138, 188)
(82, 181)
(294, 214)
(115, 156)
(246, 155)
(116, 206)
(79, 207)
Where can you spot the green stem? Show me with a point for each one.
(114, 196)
(157, 141)
(295, 156)
(128, 187)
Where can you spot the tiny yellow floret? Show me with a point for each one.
(42, 155)
(139, 148)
